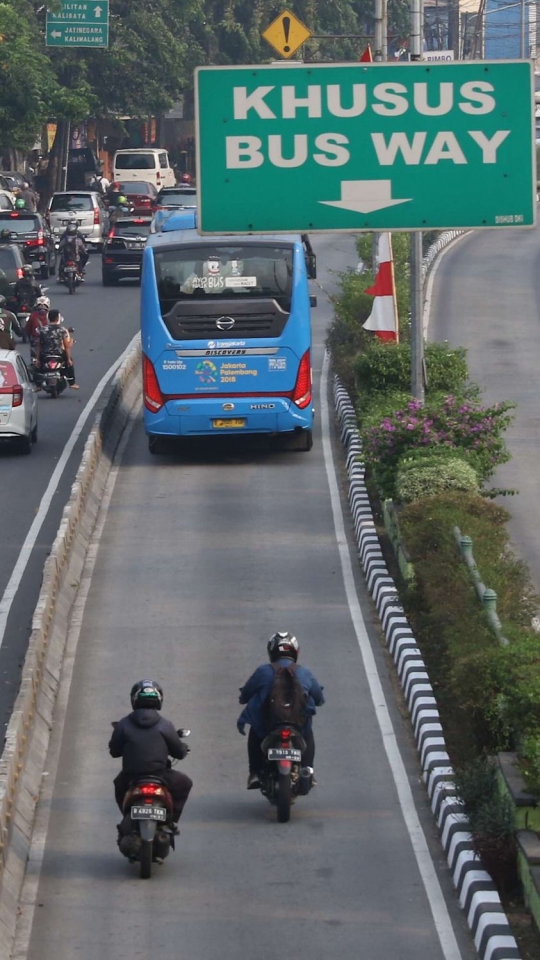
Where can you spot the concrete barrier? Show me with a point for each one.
(27, 736)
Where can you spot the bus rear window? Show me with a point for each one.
(214, 272)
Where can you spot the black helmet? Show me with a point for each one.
(283, 645)
(146, 693)
(5, 235)
(2, 301)
(71, 229)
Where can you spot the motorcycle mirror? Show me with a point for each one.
(183, 733)
(114, 723)
(71, 329)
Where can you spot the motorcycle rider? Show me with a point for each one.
(37, 319)
(55, 339)
(29, 196)
(72, 247)
(27, 289)
(9, 325)
(144, 740)
(283, 649)
(5, 236)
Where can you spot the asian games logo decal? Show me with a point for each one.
(206, 371)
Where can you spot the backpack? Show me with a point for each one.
(286, 703)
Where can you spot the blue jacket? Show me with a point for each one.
(255, 693)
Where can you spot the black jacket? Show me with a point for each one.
(144, 739)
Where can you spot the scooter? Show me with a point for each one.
(146, 833)
(52, 377)
(70, 275)
(283, 778)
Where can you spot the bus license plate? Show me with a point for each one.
(229, 424)
(285, 753)
(148, 813)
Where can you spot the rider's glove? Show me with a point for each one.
(241, 727)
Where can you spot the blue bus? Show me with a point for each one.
(226, 335)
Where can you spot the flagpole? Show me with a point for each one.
(417, 332)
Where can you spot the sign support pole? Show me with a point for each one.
(417, 298)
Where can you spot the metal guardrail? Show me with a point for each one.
(487, 597)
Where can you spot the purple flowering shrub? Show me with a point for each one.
(475, 432)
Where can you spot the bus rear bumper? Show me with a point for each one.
(272, 415)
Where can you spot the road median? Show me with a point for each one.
(27, 736)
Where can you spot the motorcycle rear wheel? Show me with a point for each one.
(284, 798)
(71, 284)
(54, 391)
(147, 851)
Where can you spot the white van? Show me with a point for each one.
(147, 164)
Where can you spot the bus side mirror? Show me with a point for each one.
(313, 301)
(311, 266)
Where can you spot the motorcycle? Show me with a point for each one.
(52, 377)
(146, 834)
(24, 309)
(283, 778)
(70, 275)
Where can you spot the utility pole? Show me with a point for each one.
(417, 299)
(380, 53)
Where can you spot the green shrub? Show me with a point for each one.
(387, 367)
(450, 423)
(491, 817)
(424, 480)
(489, 695)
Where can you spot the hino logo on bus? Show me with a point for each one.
(262, 406)
(225, 323)
(224, 353)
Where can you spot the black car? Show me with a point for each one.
(31, 233)
(123, 251)
(11, 268)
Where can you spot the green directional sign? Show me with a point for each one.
(79, 23)
(412, 146)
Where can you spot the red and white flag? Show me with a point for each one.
(383, 317)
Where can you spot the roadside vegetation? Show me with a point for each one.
(436, 462)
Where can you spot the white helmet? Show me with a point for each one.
(43, 302)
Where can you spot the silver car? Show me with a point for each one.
(83, 207)
(18, 402)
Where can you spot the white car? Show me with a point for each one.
(7, 200)
(18, 402)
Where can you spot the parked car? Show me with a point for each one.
(11, 268)
(5, 187)
(123, 251)
(173, 198)
(18, 402)
(31, 232)
(15, 180)
(84, 207)
(141, 195)
(6, 201)
(149, 164)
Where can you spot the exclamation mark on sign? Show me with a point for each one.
(286, 29)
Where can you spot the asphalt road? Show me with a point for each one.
(104, 321)
(203, 555)
(486, 298)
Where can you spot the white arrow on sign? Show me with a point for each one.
(365, 196)
(97, 12)
(55, 33)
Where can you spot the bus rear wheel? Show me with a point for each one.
(301, 441)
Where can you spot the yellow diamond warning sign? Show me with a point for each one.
(286, 33)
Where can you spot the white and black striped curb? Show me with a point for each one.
(435, 248)
(477, 893)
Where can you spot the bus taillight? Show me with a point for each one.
(153, 397)
(302, 389)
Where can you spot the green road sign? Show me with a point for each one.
(79, 23)
(412, 146)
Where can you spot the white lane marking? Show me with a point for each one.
(431, 280)
(29, 893)
(26, 550)
(439, 910)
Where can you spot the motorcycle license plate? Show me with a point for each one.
(148, 813)
(230, 424)
(285, 753)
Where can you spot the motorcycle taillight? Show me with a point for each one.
(285, 734)
(151, 789)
